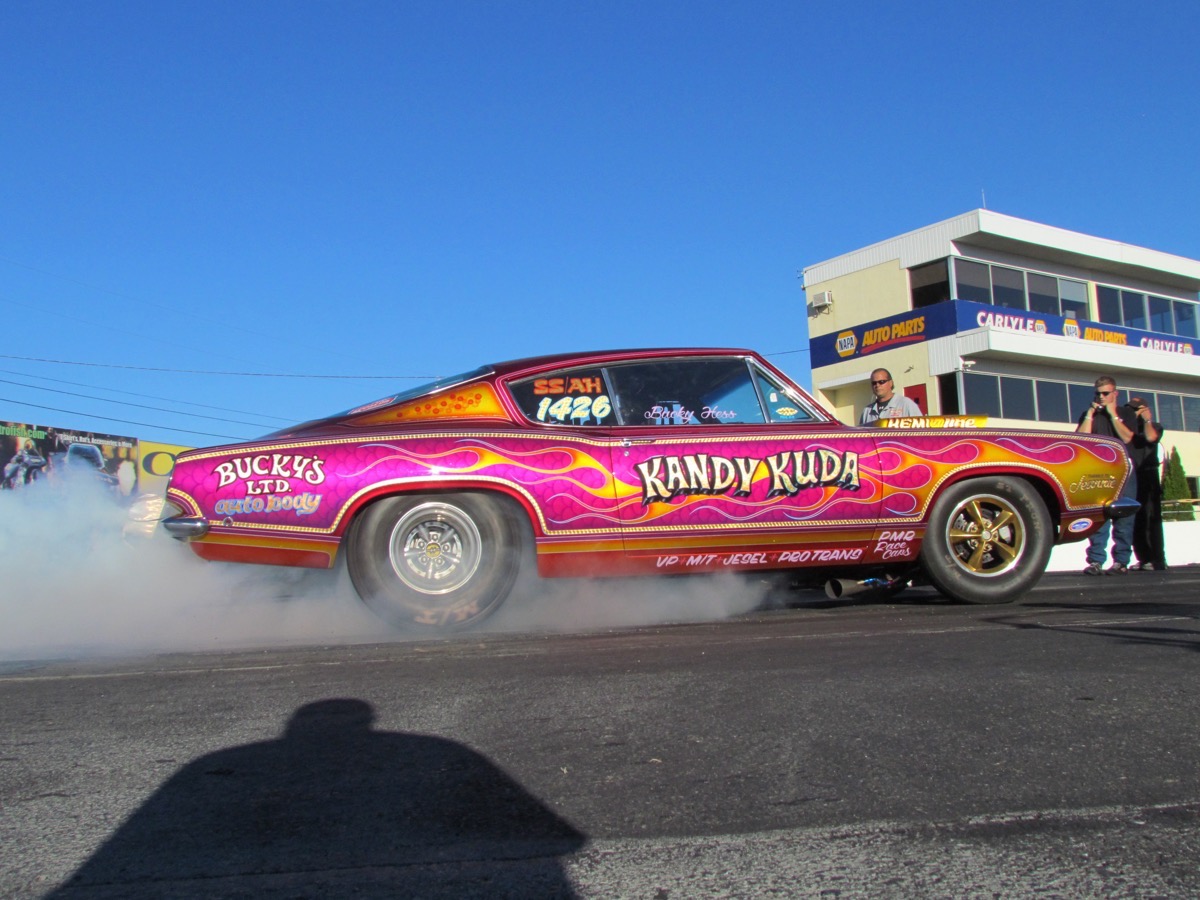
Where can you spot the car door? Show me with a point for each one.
(720, 464)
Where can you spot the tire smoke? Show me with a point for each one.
(78, 582)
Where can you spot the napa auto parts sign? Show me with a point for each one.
(956, 316)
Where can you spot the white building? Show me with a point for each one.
(986, 314)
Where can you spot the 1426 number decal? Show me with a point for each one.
(575, 409)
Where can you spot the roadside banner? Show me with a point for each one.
(156, 461)
(32, 454)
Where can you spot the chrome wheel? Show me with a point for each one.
(435, 548)
(436, 563)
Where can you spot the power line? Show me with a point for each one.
(66, 362)
(138, 405)
(143, 396)
(75, 412)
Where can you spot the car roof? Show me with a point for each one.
(605, 356)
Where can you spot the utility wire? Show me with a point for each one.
(65, 362)
(126, 403)
(75, 412)
(244, 412)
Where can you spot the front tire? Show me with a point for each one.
(988, 540)
(440, 562)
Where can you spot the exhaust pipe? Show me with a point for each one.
(836, 588)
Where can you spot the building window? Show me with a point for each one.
(979, 282)
(1169, 412)
(1043, 400)
(1080, 397)
(982, 394)
(1108, 301)
(1185, 318)
(1160, 314)
(948, 394)
(1133, 310)
(1052, 403)
(929, 284)
(1191, 414)
(1074, 296)
(1008, 287)
(1043, 294)
(972, 281)
(1016, 398)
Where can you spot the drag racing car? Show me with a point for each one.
(646, 462)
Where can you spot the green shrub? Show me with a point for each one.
(1175, 489)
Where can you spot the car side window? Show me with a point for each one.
(782, 406)
(570, 397)
(688, 391)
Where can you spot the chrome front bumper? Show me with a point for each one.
(185, 528)
(1121, 507)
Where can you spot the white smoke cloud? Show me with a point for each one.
(73, 585)
(563, 605)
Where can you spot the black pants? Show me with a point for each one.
(1148, 524)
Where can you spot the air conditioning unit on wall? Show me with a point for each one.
(820, 301)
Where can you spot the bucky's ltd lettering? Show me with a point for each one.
(271, 466)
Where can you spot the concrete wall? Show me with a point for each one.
(1182, 540)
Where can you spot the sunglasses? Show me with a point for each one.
(1103, 393)
(884, 381)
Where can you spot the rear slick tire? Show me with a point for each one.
(988, 540)
(434, 562)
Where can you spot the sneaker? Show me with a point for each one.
(1093, 569)
(1117, 569)
(1148, 567)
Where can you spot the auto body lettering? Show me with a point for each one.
(278, 465)
(301, 504)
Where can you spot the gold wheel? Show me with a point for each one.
(988, 540)
(986, 535)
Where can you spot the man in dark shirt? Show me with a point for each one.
(1105, 417)
(1148, 524)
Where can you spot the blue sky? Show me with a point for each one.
(392, 191)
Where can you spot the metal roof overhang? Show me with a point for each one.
(946, 354)
(1131, 266)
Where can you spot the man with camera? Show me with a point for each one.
(1105, 417)
(1148, 544)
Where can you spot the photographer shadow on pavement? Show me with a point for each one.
(334, 808)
